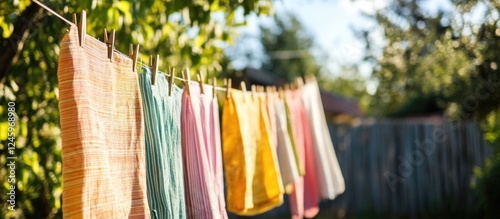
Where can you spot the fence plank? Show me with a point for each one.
(431, 172)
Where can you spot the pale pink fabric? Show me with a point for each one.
(311, 193)
(202, 156)
(295, 106)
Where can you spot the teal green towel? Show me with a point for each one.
(162, 114)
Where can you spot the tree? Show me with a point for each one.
(445, 63)
(183, 33)
(442, 59)
(288, 54)
(288, 49)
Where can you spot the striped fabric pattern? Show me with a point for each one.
(202, 156)
(104, 173)
(162, 115)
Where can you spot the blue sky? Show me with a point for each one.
(330, 23)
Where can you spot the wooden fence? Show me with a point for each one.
(404, 168)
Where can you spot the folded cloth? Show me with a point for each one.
(162, 119)
(252, 175)
(103, 159)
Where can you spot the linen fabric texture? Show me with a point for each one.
(252, 175)
(103, 159)
(202, 155)
(162, 115)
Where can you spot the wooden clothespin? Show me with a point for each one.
(244, 89)
(133, 55)
(156, 63)
(310, 78)
(214, 84)
(171, 81)
(254, 90)
(82, 27)
(300, 82)
(150, 62)
(281, 92)
(243, 86)
(187, 80)
(105, 39)
(200, 80)
(228, 87)
(110, 42)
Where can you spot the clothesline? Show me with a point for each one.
(135, 145)
(140, 63)
(53, 12)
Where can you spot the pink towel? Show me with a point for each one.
(311, 193)
(303, 203)
(202, 156)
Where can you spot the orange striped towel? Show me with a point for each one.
(104, 174)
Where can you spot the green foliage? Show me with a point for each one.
(486, 187)
(184, 34)
(288, 49)
(487, 178)
(351, 84)
(445, 63)
(446, 57)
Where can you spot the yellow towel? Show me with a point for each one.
(104, 174)
(252, 175)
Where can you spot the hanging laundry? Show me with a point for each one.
(162, 120)
(286, 154)
(296, 124)
(253, 179)
(202, 156)
(331, 181)
(103, 161)
(293, 105)
(271, 98)
(293, 137)
(311, 184)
